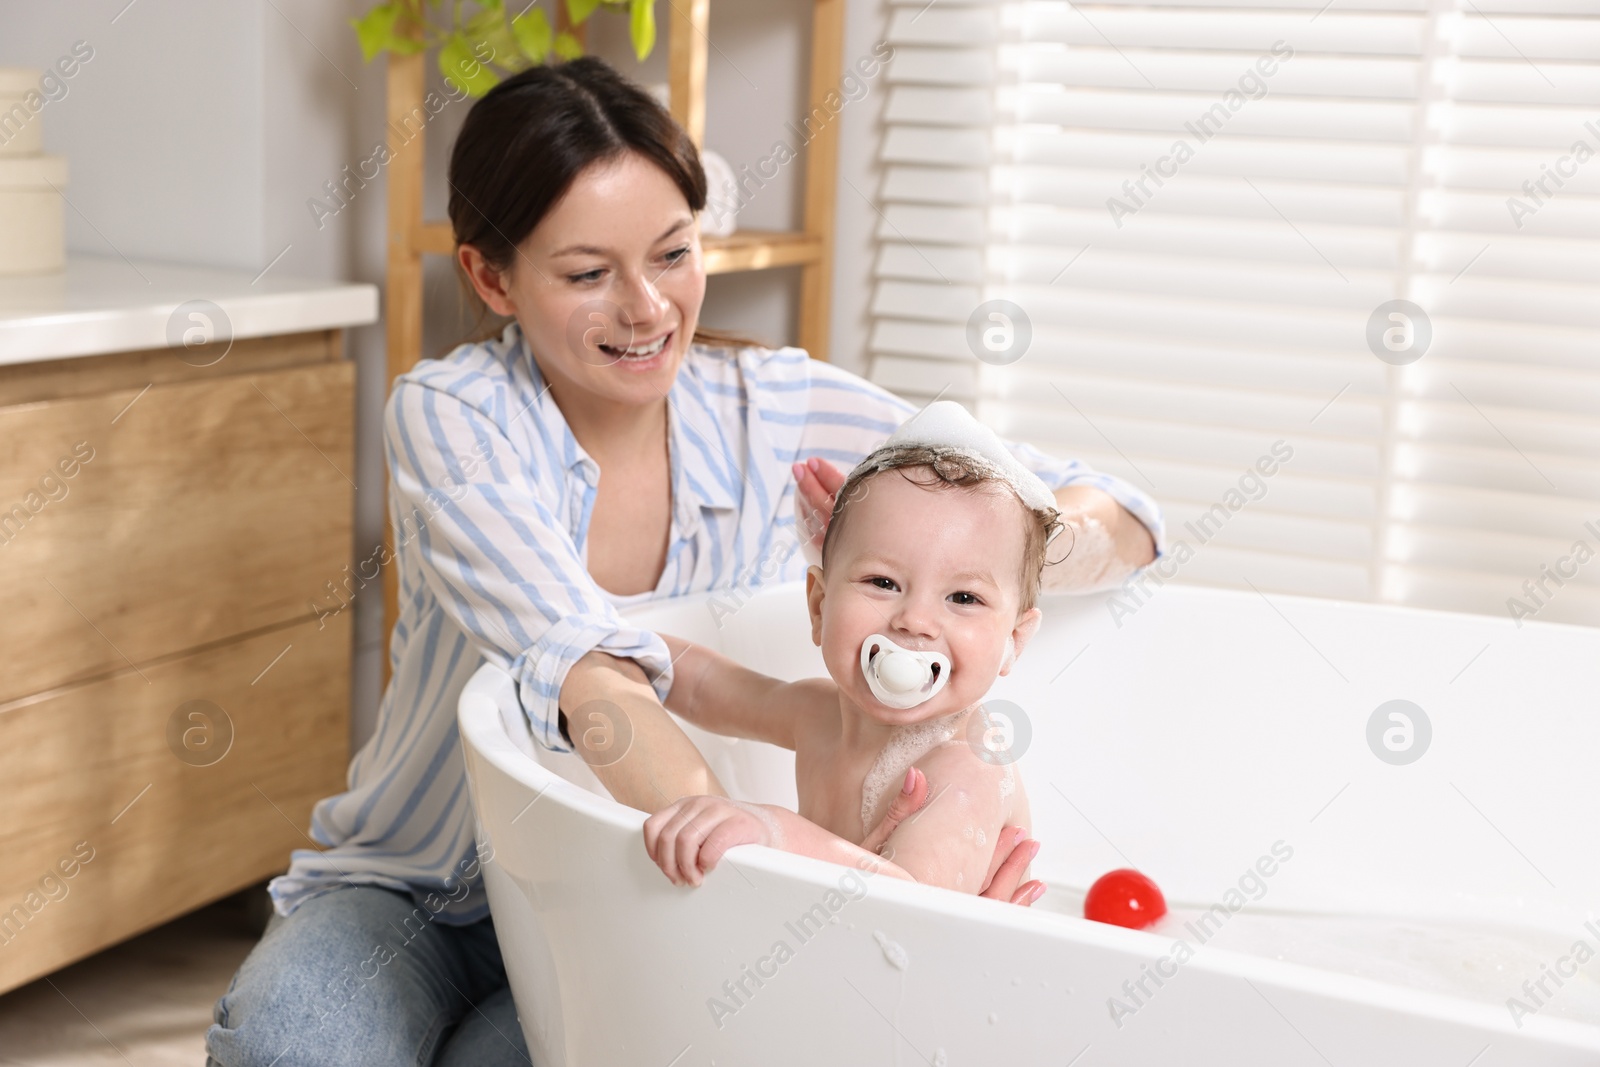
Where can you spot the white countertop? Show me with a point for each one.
(104, 304)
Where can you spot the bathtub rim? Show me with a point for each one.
(483, 736)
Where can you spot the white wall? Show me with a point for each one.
(199, 131)
(159, 170)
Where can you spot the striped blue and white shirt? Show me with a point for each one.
(490, 498)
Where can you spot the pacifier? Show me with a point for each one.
(900, 677)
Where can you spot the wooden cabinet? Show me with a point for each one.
(171, 703)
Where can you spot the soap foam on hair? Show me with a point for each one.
(946, 424)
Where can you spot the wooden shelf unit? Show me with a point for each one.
(412, 236)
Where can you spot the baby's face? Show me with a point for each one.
(932, 569)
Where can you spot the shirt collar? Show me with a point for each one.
(706, 490)
(574, 458)
(687, 499)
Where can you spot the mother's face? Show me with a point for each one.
(612, 270)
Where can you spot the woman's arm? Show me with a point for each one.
(717, 694)
(632, 745)
(1101, 545)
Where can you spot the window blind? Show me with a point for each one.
(1364, 233)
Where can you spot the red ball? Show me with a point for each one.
(1124, 897)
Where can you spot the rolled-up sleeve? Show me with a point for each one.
(491, 549)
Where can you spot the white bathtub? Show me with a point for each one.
(1186, 741)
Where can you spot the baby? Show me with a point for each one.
(930, 568)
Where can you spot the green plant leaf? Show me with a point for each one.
(578, 10)
(532, 31)
(462, 69)
(488, 29)
(642, 27)
(567, 46)
(376, 32)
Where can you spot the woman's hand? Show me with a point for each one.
(1102, 544)
(816, 482)
(1013, 851)
(905, 804)
(687, 837)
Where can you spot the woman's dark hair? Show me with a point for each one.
(522, 145)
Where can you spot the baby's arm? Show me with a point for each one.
(717, 694)
(689, 837)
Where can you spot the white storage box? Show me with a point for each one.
(20, 125)
(32, 224)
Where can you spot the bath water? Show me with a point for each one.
(1482, 962)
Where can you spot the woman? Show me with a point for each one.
(573, 201)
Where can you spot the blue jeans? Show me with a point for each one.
(361, 975)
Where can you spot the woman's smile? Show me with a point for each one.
(642, 356)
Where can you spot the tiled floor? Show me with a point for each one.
(144, 1003)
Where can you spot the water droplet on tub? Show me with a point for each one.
(940, 1059)
(892, 951)
(993, 1018)
(1016, 981)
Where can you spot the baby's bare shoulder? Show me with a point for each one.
(812, 697)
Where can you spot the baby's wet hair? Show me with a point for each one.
(933, 467)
